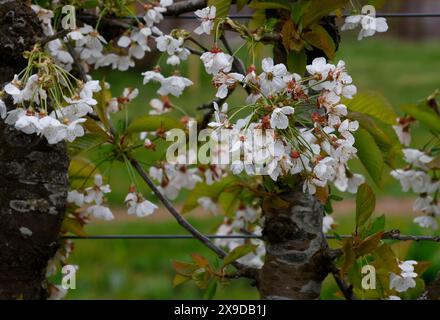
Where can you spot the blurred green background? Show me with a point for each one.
(403, 71)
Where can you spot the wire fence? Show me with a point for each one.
(391, 235)
(379, 15)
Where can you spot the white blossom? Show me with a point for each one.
(369, 24)
(100, 212)
(272, 78)
(405, 280)
(139, 206)
(416, 157)
(216, 61)
(327, 223)
(96, 193)
(279, 118)
(207, 17)
(426, 221)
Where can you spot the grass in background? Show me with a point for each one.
(142, 269)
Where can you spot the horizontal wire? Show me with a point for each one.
(379, 15)
(388, 236)
(158, 236)
(249, 16)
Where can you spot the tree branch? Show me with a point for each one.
(346, 290)
(185, 7)
(394, 235)
(55, 36)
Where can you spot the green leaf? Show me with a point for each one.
(229, 202)
(84, 143)
(241, 4)
(377, 3)
(222, 6)
(377, 225)
(212, 191)
(423, 114)
(383, 134)
(319, 38)
(211, 290)
(92, 126)
(90, 4)
(299, 8)
(238, 252)
(257, 20)
(319, 9)
(369, 154)
(152, 123)
(365, 204)
(268, 5)
(373, 104)
(297, 62)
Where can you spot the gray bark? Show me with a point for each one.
(33, 175)
(296, 259)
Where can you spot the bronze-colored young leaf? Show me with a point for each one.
(73, 226)
(349, 257)
(179, 279)
(368, 245)
(386, 257)
(291, 38)
(199, 260)
(319, 38)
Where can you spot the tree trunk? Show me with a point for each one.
(297, 259)
(33, 175)
(296, 250)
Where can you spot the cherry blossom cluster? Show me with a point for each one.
(311, 133)
(419, 178)
(49, 102)
(137, 205)
(91, 200)
(369, 25)
(405, 280)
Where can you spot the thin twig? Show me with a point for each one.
(181, 7)
(58, 35)
(244, 236)
(346, 290)
(197, 43)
